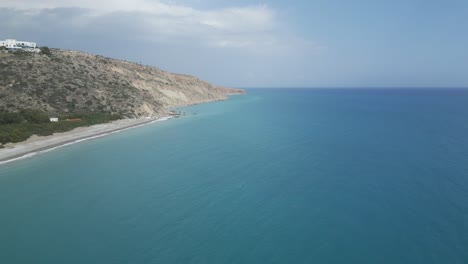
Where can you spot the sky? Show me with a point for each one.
(270, 43)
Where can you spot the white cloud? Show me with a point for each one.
(236, 19)
(249, 28)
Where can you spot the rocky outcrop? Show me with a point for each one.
(72, 81)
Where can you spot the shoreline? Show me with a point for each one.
(40, 144)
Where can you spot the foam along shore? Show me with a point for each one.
(38, 144)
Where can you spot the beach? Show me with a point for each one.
(38, 144)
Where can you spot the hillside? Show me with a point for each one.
(76, 82)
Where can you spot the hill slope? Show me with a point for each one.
(72, 81)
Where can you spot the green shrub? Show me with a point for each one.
(22, 53)
(17, 127)
(45, 50)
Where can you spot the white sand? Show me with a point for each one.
(38, 144)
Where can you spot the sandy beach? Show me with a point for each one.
(38, 144)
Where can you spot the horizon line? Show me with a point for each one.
(351, 87)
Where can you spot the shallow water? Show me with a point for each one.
(274, 176)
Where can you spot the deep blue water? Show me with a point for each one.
(274, 176)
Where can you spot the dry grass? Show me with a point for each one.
(77, 82)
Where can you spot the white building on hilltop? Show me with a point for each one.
(13, 44)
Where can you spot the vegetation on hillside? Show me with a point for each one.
(60, 81)
(66, 82)
(45, 50)
(19, 126)
(72, 81)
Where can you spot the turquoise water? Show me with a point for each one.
(275, 176)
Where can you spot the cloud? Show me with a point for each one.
(223, 45)
(250, 28)
(166, 19)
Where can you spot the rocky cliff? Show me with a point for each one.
(71, 81)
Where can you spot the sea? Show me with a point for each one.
(355, 175)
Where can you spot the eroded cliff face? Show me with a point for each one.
(72, 81)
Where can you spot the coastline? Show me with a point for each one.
(40, 144)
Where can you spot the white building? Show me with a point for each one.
(13, 44)
(54, 119)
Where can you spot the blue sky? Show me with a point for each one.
(278, 43)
